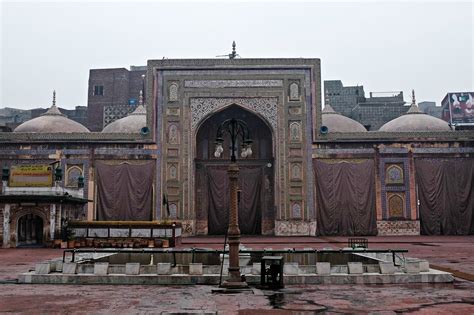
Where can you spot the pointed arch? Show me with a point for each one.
(256, 174)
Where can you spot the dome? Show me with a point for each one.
(336, 122)
(133, 123)
(52, 121)
(415, 121)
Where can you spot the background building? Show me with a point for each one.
(458, 109)
(372, 111)
(375, 110)
(431, 109)
(112, 94)
(10, 118)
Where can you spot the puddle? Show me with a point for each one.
(426, 244)
(277, 300)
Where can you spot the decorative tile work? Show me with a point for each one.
(85, 173)
(124, 151)
(396, 204)
(295, 111)
(172, 171)
(228, 72)
(172, 111)
(294, 92)
(72, 174)
(114, 112)
(188, 227)
(389, 150)
(76, 151)
(264, 106)
(289, 228)
(444, 150)
(296, 210)
(321, 151)
(308, 87)
(173, 211)
(295, 131)
(173, 92)
(402, 162)
(398, 228)
(10, 153)
(313, 107)
(215, 84)
(296, 171)
(173, 134)
(394, 174)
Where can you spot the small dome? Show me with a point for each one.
(415, 121)
(339, 123)
(133, 123)
(52, 121)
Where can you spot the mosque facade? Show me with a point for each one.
(311, 171)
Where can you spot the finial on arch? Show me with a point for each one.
(54, 97)
(234, 52)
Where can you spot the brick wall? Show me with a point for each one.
(116, 92)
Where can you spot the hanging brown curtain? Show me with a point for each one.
(124, 191)
(250, 184)
(446, 194)
(345, 197)
(218, 212)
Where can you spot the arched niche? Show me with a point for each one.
(173, 92)
(396, 207)
(210, 170)
(72, 174)
(394, 175)
(17, 217)
(262, 147)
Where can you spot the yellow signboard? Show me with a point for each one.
(31, 176)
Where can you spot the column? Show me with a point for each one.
(52, 220)
(6, 226)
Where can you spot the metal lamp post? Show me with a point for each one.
(235, 128)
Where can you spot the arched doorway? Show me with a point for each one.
(256, 207)
(30, 230)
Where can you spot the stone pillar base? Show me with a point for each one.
(234, 285)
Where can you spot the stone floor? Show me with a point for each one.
(454, 253)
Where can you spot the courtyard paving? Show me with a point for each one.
(449, 253)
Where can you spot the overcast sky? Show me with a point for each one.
(389, 46)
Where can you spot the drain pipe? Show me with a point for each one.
(222, 262)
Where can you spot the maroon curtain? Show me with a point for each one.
(218, 212)
(124, 191)
(345, 197)
(250, 184)
(446, 194)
